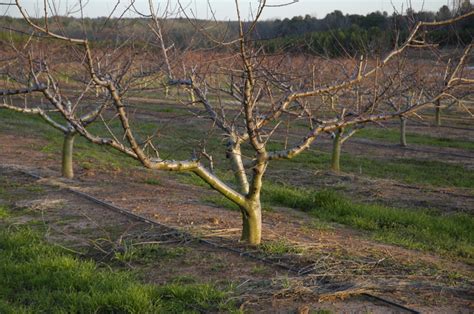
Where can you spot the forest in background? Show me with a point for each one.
(336, 34)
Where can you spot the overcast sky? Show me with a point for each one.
(225, 9)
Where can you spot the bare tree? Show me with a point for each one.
(15, 76)
(257, 94)
(67, 168)
(261, 108)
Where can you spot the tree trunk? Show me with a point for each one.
(438, 113)
(68, 145)
(403, 126)
(252, 223)
(191, 94)
(238, 168)
(336, 151)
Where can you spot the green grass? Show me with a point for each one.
(279, 247)
(393, 136)
(259, 269)
(451, 235)
(146, 253)
(411, 171)
(152, 181)
(4, 213)
(37, 277)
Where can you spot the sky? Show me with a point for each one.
(225, 9)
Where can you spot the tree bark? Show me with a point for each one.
(239, 169)
(403, 126)
(336, 151)
(252, 223)
(68, 145)
(438, 113)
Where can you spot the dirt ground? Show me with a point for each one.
(386, 191)
(339, 264)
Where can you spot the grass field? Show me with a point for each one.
(38, 277)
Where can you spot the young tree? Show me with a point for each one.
(260, 96)
(403, 130)
(70, 133)
(338, 138)
(21, 56)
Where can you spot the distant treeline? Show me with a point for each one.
(334, 35)
(375, 32)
